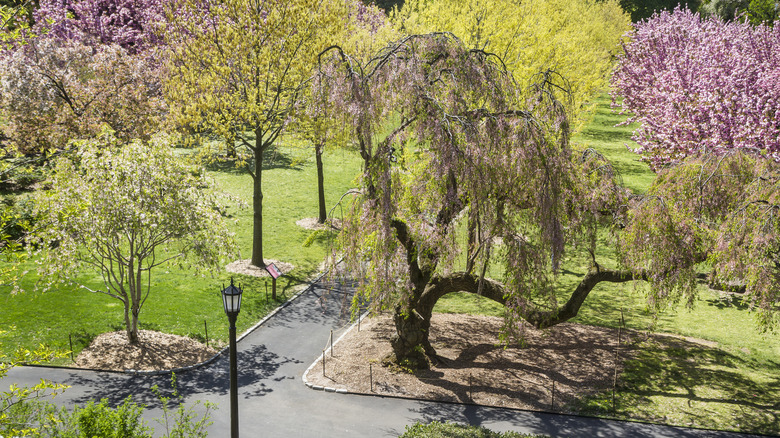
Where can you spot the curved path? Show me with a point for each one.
(273, 401)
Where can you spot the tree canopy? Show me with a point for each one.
(578, 39)
(697, 84)
(123, 210)
(450, 142)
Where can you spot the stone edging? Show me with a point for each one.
(326, 388)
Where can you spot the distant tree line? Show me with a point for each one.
(755, 11)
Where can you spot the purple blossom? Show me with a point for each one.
(131, 24)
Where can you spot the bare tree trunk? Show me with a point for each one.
(323, 215)
(257, 204)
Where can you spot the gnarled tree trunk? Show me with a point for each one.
(411, 345)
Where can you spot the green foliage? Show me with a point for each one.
(577, 39)
(21, 407)
(452, 430)
(183, 422)
(123, 212)
(100, 420)
(181, 298)
(644, 9)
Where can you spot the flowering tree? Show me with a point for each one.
(238, 70)
(700, 85)
(55, 90)
(716, 208)
(134, 25)
(123, 212)
(449, 141)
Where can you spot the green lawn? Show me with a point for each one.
(182, 301)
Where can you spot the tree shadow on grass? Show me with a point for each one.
(273, 158)
(672, 380)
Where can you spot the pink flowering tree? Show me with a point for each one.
(134, 25)
(56, 90)
(699, 85)
(450, 143)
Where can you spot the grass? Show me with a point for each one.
(730, 383)
(727, 384)
(182, 301)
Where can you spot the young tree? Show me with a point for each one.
(449, 141)
(124, 211)
(698, 85)
(238, 69)
(367, 30)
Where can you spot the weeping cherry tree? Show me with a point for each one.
(462, 169)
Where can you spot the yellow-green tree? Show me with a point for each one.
(238, 69)
(576, 38)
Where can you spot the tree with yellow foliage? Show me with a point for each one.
(576, 38)
(238, 69)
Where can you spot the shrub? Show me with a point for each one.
(451, 430)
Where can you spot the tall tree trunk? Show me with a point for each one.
(323, 214)
(257, 204)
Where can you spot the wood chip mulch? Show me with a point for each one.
(155, 351)
(578, 360)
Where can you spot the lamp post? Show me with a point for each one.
(231, 300)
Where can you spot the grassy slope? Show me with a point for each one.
(729, 383)
(181, 300)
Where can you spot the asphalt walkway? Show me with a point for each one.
(274, 402)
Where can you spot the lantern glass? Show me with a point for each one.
(231, 299)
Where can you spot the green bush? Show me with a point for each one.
(452, 430)
(101, 421)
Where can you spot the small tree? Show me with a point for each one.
(123, 212)
(367, 30)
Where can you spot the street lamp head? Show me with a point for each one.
(231, 299)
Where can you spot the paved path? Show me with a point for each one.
(275, 403)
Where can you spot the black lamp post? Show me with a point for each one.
(231, 299)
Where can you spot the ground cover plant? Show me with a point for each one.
(452, 430)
